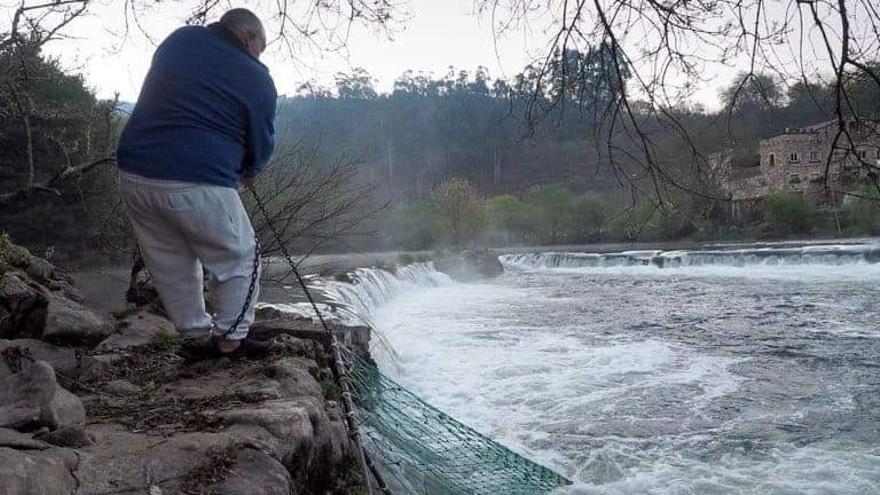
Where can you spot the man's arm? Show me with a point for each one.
(261, 133)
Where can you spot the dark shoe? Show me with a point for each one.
(247, 347)
(195, 346)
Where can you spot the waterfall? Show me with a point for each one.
(353, 302)
(368, 288)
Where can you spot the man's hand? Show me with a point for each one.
(247, 182)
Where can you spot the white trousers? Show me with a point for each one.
(182, 228)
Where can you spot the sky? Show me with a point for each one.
(429, 36)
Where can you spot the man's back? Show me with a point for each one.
(205, 113)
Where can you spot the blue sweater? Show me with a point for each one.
(205, 113)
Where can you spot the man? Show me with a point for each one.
(202, 126)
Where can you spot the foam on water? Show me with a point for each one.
(814, 254)
(633, 375)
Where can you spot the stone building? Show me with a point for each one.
(795, 161)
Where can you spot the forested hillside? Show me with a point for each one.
(545, 159)
(494, 133)
(531, 162)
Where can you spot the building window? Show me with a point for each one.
(772, 159)
(793, 157)
(814, 156)
(815, 178)
(794, 179)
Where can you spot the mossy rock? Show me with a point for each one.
(13, 256)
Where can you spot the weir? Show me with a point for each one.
(802, 255)
(418, 448)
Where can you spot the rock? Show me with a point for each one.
(64, 409)
(470, 265)
(32, 397)
(254, 473)
(97, 367)
(15, 440)
(294, 377)
(71, 436)
(15, 256)
(122, 387)
(141, 291)
(312, 446)
(63, 360)
(26, 305)
(126, 462)
(69, 322)
(47, 472)
(309, 333)
(137, 329)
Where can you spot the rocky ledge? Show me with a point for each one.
(93, 404)
(469, 265)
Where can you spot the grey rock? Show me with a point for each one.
(32, 397)
(69, 322)
(294, 377)
(26, 305)
(137, 329)
(255, 473)
(311, 445)
(470, 265)
(47, 472)
(62, 359)
(71, 436)
(15, 440)
(126, 462)
(122, 387)
(97, 367)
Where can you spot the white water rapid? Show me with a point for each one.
(743, 370)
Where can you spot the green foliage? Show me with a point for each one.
(508, 218)
(10, 254)
(862, 214)
(459, 210)
(552, 217)
(413, 226)
(331, 390)
(51, 117)
(790, 213)
(165, 341)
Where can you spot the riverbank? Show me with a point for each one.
(99, 404)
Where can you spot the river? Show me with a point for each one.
(732, 369)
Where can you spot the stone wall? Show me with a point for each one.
(795, 161)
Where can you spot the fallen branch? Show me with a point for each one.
(51, 185)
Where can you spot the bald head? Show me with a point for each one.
(248, 28)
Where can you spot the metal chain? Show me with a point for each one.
(255, 274)
(339, 369)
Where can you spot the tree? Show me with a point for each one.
(790, 213)
(672, 48)
(358, 85)
(460, 211)
(54, 136)
(551, 208)
(507, 217)
(590, 215)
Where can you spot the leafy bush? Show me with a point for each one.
(459, 210)
(862, 214)
(790, 213)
